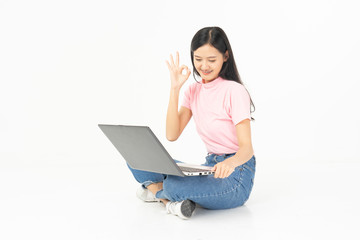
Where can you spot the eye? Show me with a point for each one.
(212, 61)
(197, 59)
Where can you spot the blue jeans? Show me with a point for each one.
(206, 191)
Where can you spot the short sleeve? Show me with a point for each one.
(239, 104)
(186, 99)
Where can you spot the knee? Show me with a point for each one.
(172, 188)
(221, 202)
(170, 184)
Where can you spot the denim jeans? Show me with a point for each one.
(206, 191)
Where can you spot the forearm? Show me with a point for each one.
(172, 117)
(225, 168)
(244, 154)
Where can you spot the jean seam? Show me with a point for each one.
(228, 191)
(249, 168)
(233, 188)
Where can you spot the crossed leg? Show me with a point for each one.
(154, 188)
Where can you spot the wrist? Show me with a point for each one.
(241, 157)
(233, 161)
(174, 89)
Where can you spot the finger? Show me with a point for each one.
(188, 73)
(177, 58)
(221, 172)
(182, 68)
(168, 64)
(172, 60)
(217, 172)
(228, 173)
(224, 173)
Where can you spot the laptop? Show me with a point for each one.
(142, 150)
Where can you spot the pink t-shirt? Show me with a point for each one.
(217, 107)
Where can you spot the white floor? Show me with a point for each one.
(69, 201)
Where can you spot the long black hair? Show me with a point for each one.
(217, 38)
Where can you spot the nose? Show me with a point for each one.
(204, 66)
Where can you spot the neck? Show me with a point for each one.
(208, 81)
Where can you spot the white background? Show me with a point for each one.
(66, 66)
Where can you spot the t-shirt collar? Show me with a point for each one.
(210, 84)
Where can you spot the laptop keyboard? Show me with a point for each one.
(187, 169)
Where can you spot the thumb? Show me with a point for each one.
(188, 73)
(213, 169)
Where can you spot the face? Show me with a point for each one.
(208, 62)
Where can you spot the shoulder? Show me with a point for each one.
(233, 87)
(192, 87)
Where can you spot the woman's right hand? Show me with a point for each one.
(176, 73)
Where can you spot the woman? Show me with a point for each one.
(220, 106)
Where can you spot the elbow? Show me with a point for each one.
(171, 138)
(172, 135)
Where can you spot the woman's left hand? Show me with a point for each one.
(225, 168)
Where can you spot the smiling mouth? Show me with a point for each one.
(206, 72)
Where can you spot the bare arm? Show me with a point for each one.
(176, 120)
(225, 168)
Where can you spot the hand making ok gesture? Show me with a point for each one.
(176, 72)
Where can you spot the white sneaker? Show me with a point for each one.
(146, 195)
(183, 209)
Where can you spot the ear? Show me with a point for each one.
(226, 56)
